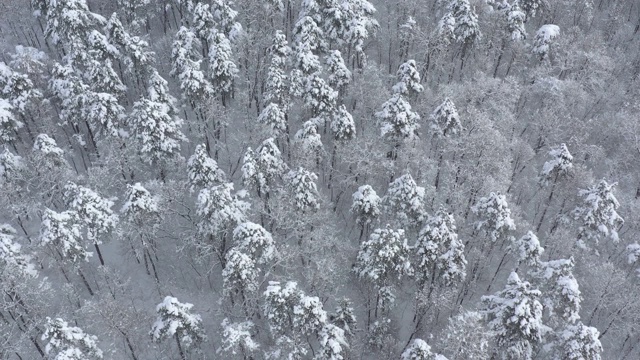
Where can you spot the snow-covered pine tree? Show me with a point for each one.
(226, 16)
(408, 80)
(466, 28)
(157, 129)
(256, 241)
(440, 252)
(221, 211)
(11, 254)
(46, 149)
(333, 342)
(62, 232)
(339, 74)
(561, 164)
(527, 249)
(515, 22)
(10, 166)
(278, 306)
(139, 203)
(240, 274)
(544, 38)
(69, 342)
(515, 315)
(237, 338)
(420, 350)
(598, 215)
(445, 120)
(344, 317)
(262, 168)
(308, 315)
(309, 141)
(17, 88)
(275, 118)
(384, 256)
(319, 97)
(533, 7)
(93, 211)
(222, 69)
(342, 124)
(366, 205)
(578, 342)
(562, 293)
(176, 320)
(203, 171)
(9, 125)
(405, 199)
(397, 120)
(302, 185)
(186, 62)
(360, 25)
(495, 216)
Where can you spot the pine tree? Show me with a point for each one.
(332, 342)
(273, 116)
(256, 241)
(279, 303)
(186, 67)
(578, 342)
(495, 216)
(466, 29)
(515, 314)
(561, 164)
(9, 125)
(598, 215)
(344, 317)
(222, 69)
(69, 342)
(527, 249)
(408, 80)
(302, 185)
(158, 131)
(17, 88)
(405, 199)
(47, 149)
(544, 38)
(71, 91)
(203, 171)
(176, 320)
(220, 210)
(339, 74)
(62, 232)
(420, 350)
(309, 141)
(532, 7)
(366, 204)
(238, 337)
(319, 97)
(342, 124)
(261, 169)
(360, 25)
(384, 256)
(240, 274)
(93, 211)
(10, 166)
(564, 296)
(226, 18)
(439, 250)
(11, 254)
(445, 120)
(139, 203)
(515, 22)
(308, 315)
(397, 120)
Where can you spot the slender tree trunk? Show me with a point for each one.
(99, 253)
(182, 354)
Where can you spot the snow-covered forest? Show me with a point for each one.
(320, 179)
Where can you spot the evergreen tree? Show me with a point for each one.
(466, 28)
(561, 164)
(9, 125)
(598, 215)
(495, 216)
(420, 350)
(186, 67)
(261, 169)
(339, 74)
(515, 22)
(515, 315)
(302, 185)
(176, 320)
(11, 254)
(445, 120)
(408, 80)
(238, 337)
(397, 120)
(342, 124)
(384, 256)
(203, 171)
(69, 342)
(344, 317)
(138, 202)
(440, 252)
(256, 241)
(62, 232)
(240, 274)
(222, 69)
(405, 199)
(527, 249)
(533, 7)
(366, 204)
(332, 342)
(47, 149)
(220, 210)
(544, 38)
(274, 117)
(564, 296)
(578, 342)
(10, 166)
